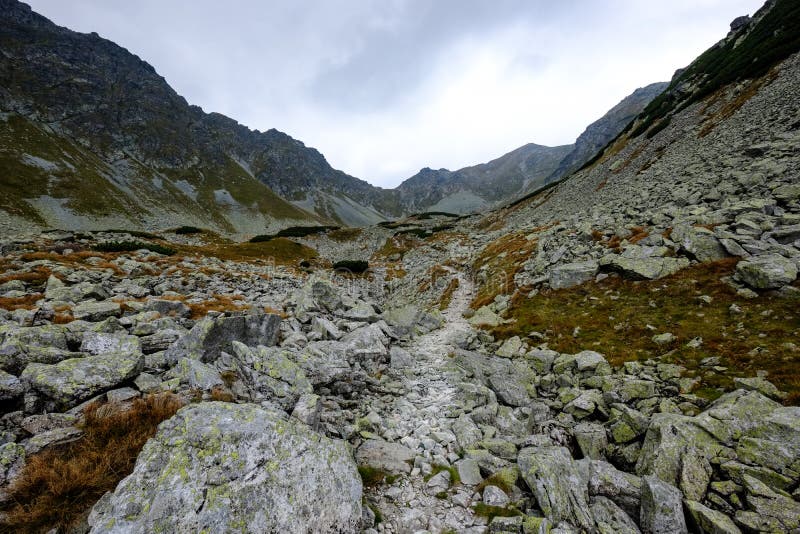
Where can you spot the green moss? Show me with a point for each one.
(126, 246)
(490, 512)
(371, 476)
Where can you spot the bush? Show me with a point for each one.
(127, 246)
(261, 238)
(186, 230)
(134, 233)
(352, 266)
(57, 486)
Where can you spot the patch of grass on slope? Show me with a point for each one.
(619, 317)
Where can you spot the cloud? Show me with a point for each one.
(385, 87)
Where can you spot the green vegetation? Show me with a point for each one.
(455, 479)
(127, 246)
(351, 266)
(490, 512)
(372, 476)
(431, 214)
(294, 231)
(133, 233)
(773, 39)
(619, 318)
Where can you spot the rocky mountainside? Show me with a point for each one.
(93, 138)
(598, 134)
(618, 353)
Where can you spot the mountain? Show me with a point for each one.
(521, 171)
(598, 134)
(92, 136)
(474, 188)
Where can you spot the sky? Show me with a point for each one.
(385, 87)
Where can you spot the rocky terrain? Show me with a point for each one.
(91, 137)
(616, 353)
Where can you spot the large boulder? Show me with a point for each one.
(699, 242)
(572, 274)
(770, 271)
(69, 382)
(385, 455)
(651, 268)
(662, 510)
(270, 372)
(409, 320)
(212, 335)
(556, 482)
(221, 467)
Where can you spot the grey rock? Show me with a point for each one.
(100, 343)
(469, 472)
(388, 456)
(96, 311)
(572, 274)
(10, 386)
(494, 496)
(307, 409)
(611, 519)
(710, 521)
(168, 308)
(623, 488)
(52, 438)
(647, 268)
(662, 508)
(555, 481)
(221, 467)
(71, 381)
(195, 374)
(699, 242)
(12, 459)
(770, 271)
(210, 336)
(400, 358)
(768, 510)
(271, 373)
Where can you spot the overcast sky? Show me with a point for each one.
(385, 87)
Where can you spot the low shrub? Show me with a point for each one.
(187, 230)
(128, 246)
(352, 266)
(59, 485)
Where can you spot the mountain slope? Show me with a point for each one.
(91, 94)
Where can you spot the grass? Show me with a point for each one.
(490, 512)
(343, 235)
(372, 477)
(279, 250)
(127, 246)
(619, 317)
(59, 485)
(294, 231)
(447, 295)
(455, 479)
(26, 302)
(502, 259)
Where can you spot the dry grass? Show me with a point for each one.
(447, 295)
(345, 234)
(619, 317)
(731, 107)
(503, 258)
(37, 276)
(26, 302)
(58, 486)
(222, 395)
(398, 244)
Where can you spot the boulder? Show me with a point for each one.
(270, 373)
(96, 311)
(556, 482)
(212, 335)
(572, 274)
(710, 521)
(385, 455)
(195, 374)
(71, 381)
(662, 508)
(484, 316)
(700, 243)
(99, 343)
(408, 321)
(768, 510)
(222, 467)
(651, 268)
(770, 271)
(10, 386)
(611, 519)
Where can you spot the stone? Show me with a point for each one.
(325, 328)
(611, 519)
(762, 385)
(391, 457)
(367, 341)
(121, 395)
(770, 271)
(700, 243)
(572, 274)
(100, 343)
(589, 360)
(223, 467)
(662, 508)
(71, 381)
(484, 316)
(591, 439)
(195, 374)
(768, 510)
(10, 386)
(510, 348)
(647, 268)
(168, 308)
(554, 478)
(625, 489)
(400, 358)
(787, 193)
(664, 339)
(271, 373)
(147, 383)
(469, 472)
(307, 409)
(710, 521)
(12, 459)
(52, 438)
(467, 432)
(494, 496)
(212, 335)
(96, 311)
